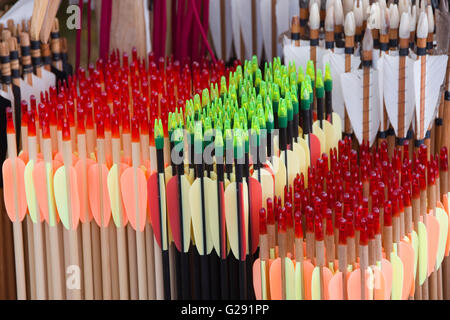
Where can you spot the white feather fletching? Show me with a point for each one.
(352, 89)
(434, 74)
(337, 67)
(391, 90)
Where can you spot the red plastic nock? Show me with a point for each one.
(298, 225)
(24, 109)
(45, 129)
(80, 121)
(115, 132)
(342, 231)
(297, 201)
(444, 159)
(9, 121)
(282, 221)
(289, 217)
(262, 221)
(309, 219)
(350, 228)
(376, 217)
(318, 231)
(388, 214)
(31, 124)
(364, 233)
(270, 215)
(66, 130)
(329, 226)
(134, 129)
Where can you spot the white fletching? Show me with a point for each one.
(423, 5)
(367, 44)
(314, 17)
(358, 13)
(347, 6)
(404, 26)
(329, 4)
(365, 9)
(382, 4)
(338, 13)
(384, 21)
(430, 18)
(329, 19)
(394, 18)
(422, 26)
(311, 2)
(373, 22)
(412, 18)
(349, 25)
(402, 6)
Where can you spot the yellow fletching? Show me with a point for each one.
(337, 125)
(290, 279)
(279, 169)
(50, 192)
(298, 281)
(397, 277)
(415, 245)
(315, 284)
(443, 230)
(59, 181)
(114, 194)
(212, 209)
(30, 193)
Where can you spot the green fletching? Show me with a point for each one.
(319, 85)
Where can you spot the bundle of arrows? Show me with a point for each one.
(358, 226)
(33, 58)
(389, 65)
(73, 168)
(187, 159)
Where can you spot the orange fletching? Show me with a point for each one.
(94, 194)
(128, 196)
(8, 189)
(81, 188)
(173, 210)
